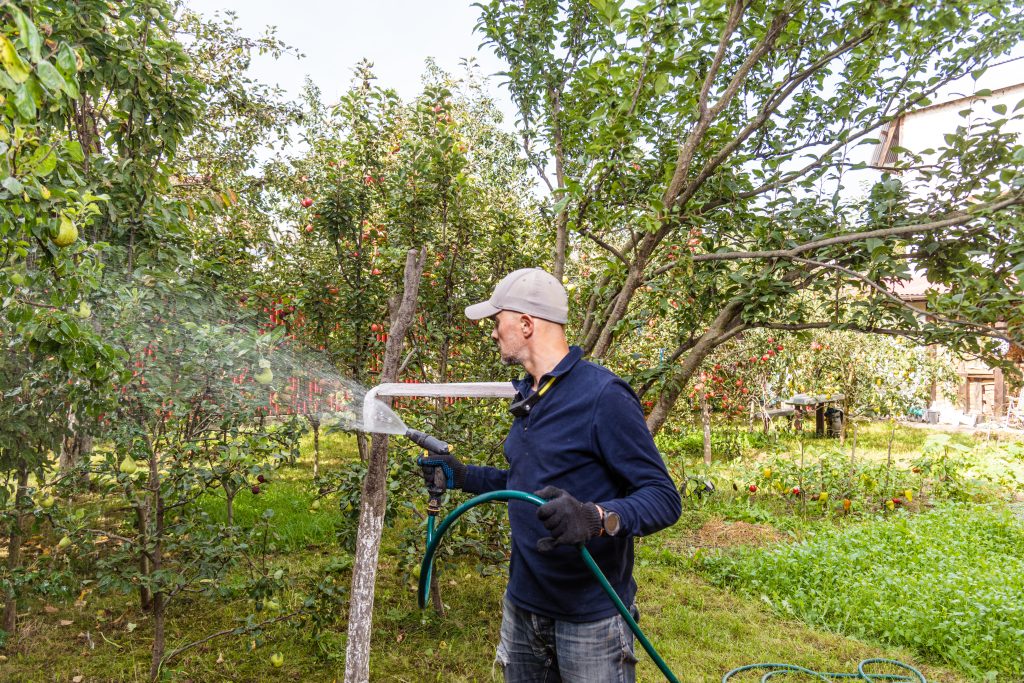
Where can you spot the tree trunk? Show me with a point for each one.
(364, 451)
(159, 604)
(720, 330)
(314, 422)
(159, 597)
(705, 422)
(142, 524)
(229, 495)
(374, 494)
(14, 550)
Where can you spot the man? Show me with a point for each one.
(578, 440)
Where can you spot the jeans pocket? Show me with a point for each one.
(626, 638)
(500, 658)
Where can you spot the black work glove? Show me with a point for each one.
(569, 521)
(449, 463)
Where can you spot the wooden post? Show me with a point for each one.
(375, 489)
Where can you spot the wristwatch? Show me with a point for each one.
(610, 522)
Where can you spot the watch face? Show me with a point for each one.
(611, 523)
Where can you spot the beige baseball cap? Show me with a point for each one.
(529, 290)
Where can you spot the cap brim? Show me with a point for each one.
(481, 310)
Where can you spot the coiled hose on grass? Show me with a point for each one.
(770, 670)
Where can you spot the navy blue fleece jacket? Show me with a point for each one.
(586, 435)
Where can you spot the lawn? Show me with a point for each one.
(700, 603)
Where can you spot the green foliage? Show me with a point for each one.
(945, 583)
(706, 156)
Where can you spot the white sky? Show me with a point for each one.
(399, 35)
(396, 35)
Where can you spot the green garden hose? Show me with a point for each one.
(434, 537)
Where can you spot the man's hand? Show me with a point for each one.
(569, 521)
(455, 471)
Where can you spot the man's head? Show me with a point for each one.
(529, 308)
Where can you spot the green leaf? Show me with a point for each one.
(66, 61)
(71, 87)
(29, 34)
(660, 84)
(12, 62)
(74, 150)
(12, 185)
(25, 103)
(6, 82)
(999, 109)
(50, 77)
(43, 161)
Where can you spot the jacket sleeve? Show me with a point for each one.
(483, 479)
(620, 435)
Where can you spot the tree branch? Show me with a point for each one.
(957, 218)
(992, 332)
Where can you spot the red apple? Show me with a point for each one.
(753, 488)
(307, 202)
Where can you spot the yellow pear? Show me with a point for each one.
(67, 234)
(128, 465)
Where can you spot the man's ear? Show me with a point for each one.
(526, 325)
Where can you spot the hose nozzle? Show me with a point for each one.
(432, 444)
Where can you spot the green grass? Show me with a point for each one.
(702, 630)
(948, 583)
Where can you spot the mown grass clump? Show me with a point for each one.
(948, 583)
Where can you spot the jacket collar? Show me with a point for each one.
(524, 385)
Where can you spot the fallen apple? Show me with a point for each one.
(753, 488)
(255, 489)
(277, 659)
(64, 542)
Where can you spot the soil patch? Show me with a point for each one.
(718, 533)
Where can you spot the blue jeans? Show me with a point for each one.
(543, 650)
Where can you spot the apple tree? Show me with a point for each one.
(733, 129)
